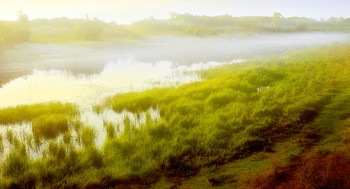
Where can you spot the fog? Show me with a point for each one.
(46, 72)
(23, 59)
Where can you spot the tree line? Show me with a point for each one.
(65, 30)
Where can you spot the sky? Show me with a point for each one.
(127, 11)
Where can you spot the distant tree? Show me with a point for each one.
(301, 26)
(277, 15)
(89, 29)
(332, 19)
(347, 20)
(173, 15)
(22, 30)
(22, 18)
(340, 20)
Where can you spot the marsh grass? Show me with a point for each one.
(50, 126)
(67, 137)
(88, 136)
(27, 113)
(29, 140)
(10, 136)
(133, 102)
(111, 130)
(237, 111)
(15, 164)
(1, 144)
(77, 124)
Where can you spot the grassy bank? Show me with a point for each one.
(241, 126)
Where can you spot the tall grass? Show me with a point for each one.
(88, 136)
(15, 164)
(50, 126)
(26, 113)
(236, 111)
(1, 144)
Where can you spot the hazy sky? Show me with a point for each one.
(126, 11)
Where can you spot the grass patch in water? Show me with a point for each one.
(50, 126)
(27, 113)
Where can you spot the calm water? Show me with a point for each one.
(116, 77)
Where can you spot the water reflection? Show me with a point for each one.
(117, 77)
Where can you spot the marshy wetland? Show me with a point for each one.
(174, 110)
(82, 77)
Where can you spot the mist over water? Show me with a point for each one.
(89, 73)
(178, 49)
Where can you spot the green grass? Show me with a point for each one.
(27, 113)
(133, 102)
(88, 136)
(50, 126)
(226, 116)
(1, 144)
(15, 164)
(238, 117)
